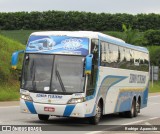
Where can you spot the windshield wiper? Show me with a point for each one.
(60, 80)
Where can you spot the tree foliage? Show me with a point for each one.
(130, 34)
(152, 37)
(73, 20)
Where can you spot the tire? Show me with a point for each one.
(95, 119)
(43, 117)
(138, 107)
(133, 112)
(122, 114)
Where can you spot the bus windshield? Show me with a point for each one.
(53, 73)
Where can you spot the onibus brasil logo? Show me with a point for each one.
(72, 44)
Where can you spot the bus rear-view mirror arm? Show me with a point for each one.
(88, 64)
(14, 59)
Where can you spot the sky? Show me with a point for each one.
(96, 6)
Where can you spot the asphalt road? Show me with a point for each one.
(10, 115)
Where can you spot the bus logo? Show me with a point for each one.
(72, 44)
(42, 44)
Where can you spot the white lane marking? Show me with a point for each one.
(146, 123)
(94, 132)
(153, 103)
(154, 96)
(130, 123)
(153, 118)
(9, 106)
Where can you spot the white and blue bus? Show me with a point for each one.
(83, 74)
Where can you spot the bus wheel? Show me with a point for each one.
(95, 119)
(138, 105)
(43, 117)
(133, 112)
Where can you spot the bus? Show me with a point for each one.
(85, 75)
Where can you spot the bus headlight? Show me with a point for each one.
(76, 100)
(26, 97)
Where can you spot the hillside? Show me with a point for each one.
(19, 35)
(8, 77)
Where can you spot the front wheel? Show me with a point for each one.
(95, 119)
(43, 117)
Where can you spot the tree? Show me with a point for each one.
(130, 34)
(152, 37)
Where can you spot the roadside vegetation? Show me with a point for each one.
(18, 35)
(9, 86)
(155, 88)
(141, 30)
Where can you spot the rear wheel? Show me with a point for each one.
(138, 106)
(133, 112)
(43, 117)
(95, 119)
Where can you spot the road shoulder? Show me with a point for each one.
(9, 103)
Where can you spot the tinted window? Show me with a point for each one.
(121, 57)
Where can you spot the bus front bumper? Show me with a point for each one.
(68, 110)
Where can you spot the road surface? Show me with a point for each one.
(10, 115)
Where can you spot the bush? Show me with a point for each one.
(152, 37)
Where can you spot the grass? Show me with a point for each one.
(22, 35)
(18, 35)
(9, 92)
(7, 47)
(155, 88)
(9, 86)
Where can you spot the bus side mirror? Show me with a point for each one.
(14, 59)
(88, 65)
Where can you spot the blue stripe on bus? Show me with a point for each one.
(107, 77)
(30, 107)
(125, 103)
(98, 94)
(68, 110)
(120, 78)
(145, 95)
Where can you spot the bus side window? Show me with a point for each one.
(91, 84)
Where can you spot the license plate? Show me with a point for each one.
(49, 109)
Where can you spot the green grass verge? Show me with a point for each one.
(18, 35)
(9, 92)
(9, 86)
(7, 47)
(155, 88)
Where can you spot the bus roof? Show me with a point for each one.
(91, 34)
